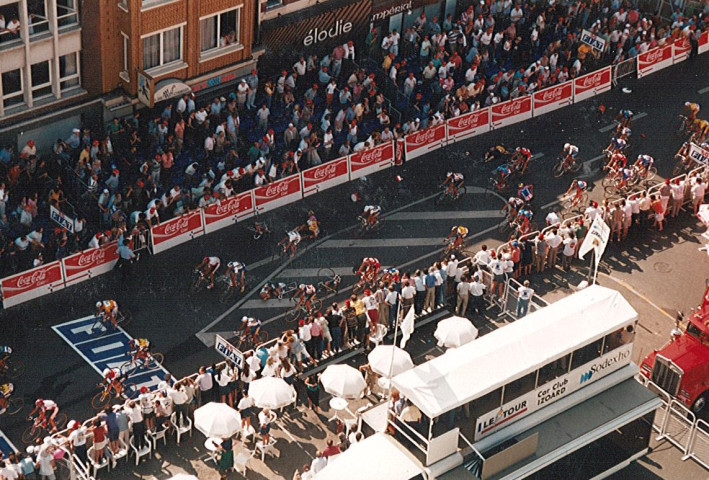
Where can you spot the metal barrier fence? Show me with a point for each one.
(677, 426)
(623, 69)
(698, 448)
(510, 300)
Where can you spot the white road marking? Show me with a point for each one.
(445, 215)
(110, 346)
(85, 328)
(272, 303)
(313, 272)
(381, 242)
(613, 125)
(703, 90)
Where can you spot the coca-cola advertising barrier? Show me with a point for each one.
(704, 42)
(510, 112)
(469, 125)
(89, 263)
(325, 176)
(424, 141)
(591, 84)
(551, 98)
(371, 160)
(176, 231)
(228, 211)
(278, 193)
(680, 49)
(654, 60)
(32, 284)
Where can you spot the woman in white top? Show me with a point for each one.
(247, 376)
(271, 368)
(223, 380)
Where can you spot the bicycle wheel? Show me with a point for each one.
(14, 405)
(124, 318)
(316, 305)
(100, 400)
(14, 368)
(576, 165)
(558, 169)
(128, 367)
(60, 421)
(31, 434)
(440, 198)
(609, 180)
(226, 293)
(154, 361)
(651, 173)
(261, 338)
(294, 314)
(503, 227)
(98, 329)
(358, 288)
(678, 169)
(326, 275)
(130, 390)
(681, 127)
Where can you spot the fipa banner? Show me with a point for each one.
(424, 141)
(31, 284)
(90, 263)
(325, 176)
(654, 60)
(228, 211)
(510, 112)
(371, 160)
(281, 192)
(552, 98)
(176, 231)
(586, 86)
(469, 125)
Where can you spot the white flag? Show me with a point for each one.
(596, 239)
(407, 327)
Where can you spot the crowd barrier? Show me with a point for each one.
(51, 277)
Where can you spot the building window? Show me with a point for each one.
(9, 24)
(220, 30)
(126, 52)
(162, 48)
(66, 13)
(273, 3)
(41, 80)
(69, 71)
(12, 93)
(37, 16)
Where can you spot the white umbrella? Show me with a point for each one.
(271, 392)
(343, 381)
(453, 332)
(385, 362)
(217, 420)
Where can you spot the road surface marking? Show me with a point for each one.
(88, 329)
(99, 338)
(313, 272)
(272, 303)
(105, 348)
(446, 215)
(381, 242)
(703, 90)
(613, 125)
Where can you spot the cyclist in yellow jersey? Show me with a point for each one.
(108, 311)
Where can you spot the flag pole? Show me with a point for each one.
(393, 349)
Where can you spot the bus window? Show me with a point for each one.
(519, 387)
(554, 369)
(585, 354)
(486, 403)
(617, 339)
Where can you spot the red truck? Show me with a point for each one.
(681, 368)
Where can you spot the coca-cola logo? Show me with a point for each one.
(371, 156)
(276, 189)
(36, 278)
(326, 171)
(591, 80)
(180, 226)
(683, 44)
(227, 207)
(469, 120)
(92, 257)
(512, 108)
(655, 55)
(421, 138)
(551, 95)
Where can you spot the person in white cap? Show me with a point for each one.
(45, 458)
(77, 439)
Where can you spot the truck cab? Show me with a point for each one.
(681, 367)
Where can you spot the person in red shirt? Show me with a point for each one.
(99, 432)
(331, 449)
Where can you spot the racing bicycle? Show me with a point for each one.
(301, 311)
(365, 283)
(449, 194)
(573, 202)
(246, 341)
(101, 326)
(228, 289)
(258, 230)
(647, 174)
(684, 126)
(683, 164)
(365, 227)
(10, 404)
(108, 392)
(41, 427)
(11, 367)
(565, 164)
(142, 360)
(328, 282)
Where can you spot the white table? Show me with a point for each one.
(338, 405)
(212, 446)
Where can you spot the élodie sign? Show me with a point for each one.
(90, 263)
(371, 160)
(591, 84)
(424, 141)
(654, 60)
(325, 176)
(228, 211)
(510, 112)
(469, 125)
(552, 391)
(32, 284)
(281, 192)
(551, 98)
(176, 231)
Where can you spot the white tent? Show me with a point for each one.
(356, 462)
(483, 365)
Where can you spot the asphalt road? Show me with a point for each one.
(180, 325)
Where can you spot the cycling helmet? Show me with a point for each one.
(39, 402)
(566, 146)
(230, 265)
(244, 318)
(98, 304)
(310, 212)
(449, 174)
(301, 286)
(521, 185)
(518, 149)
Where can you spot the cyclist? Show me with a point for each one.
(699, 129)
(626, 175)
(306, 294)
(691, 109)
(5, 353)
(513, 205)
(371, 213)
(108, 311)
(250, 326)
(525, 192)
(459, 232)
(524, 220)
(617, 161)
(577, 188)
(624, 118)
(272, 290)
(569, 152)
(5, 393)
(293, 239)
(45, 410)
(112, 379)
(617, 145)
(495, 153)
(369, 269)
(454, 183)
(312, 224)
(520, 159)
(141, 346)
(390, 275)
(501, 175)
(643, 164)
(237, 272)
(208, 268)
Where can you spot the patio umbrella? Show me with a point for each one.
(343, 381)
(454, 331)
(383, 360)
(217, 420)
(271, 392)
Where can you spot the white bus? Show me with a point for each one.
(536, 397)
